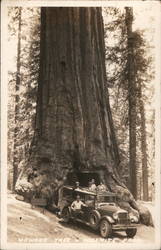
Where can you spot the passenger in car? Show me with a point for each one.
(89, 185)
(101, 187)
(92, 185)
(77, 185)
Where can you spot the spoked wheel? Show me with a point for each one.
(66, 214)
(131, 232)
(105, 228)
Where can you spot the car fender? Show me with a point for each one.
(108, 218)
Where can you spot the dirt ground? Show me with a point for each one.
(27, 225)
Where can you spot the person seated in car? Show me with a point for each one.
(92, 186)
(77, 185)
(101, 187)
(76, 206)
(89, 185)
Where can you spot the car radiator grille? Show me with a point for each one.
(123, 218)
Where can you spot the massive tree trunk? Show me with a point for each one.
(132, 101)
(74, 129)
(73, 121)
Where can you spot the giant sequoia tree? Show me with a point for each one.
(73, 122)
(73, 128)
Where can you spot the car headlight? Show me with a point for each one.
(133, 219)
(115, 216)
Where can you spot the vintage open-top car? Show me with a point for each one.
(100, 212)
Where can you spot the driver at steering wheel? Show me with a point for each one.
(76, 206)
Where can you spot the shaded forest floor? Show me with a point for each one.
(26, 225)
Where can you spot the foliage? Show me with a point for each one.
(116, 58)
(29, 64)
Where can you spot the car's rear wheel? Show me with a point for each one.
(66, 214)
(131, 232)
(105, 228)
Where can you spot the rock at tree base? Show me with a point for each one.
(145, 216)
(19, 197)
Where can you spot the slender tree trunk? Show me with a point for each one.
(143, 148)
(132, 101)
(17, 87)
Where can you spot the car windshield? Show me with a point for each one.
(103, 198)
(90, 197)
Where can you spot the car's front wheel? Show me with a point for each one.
(65, 214)
(131, 232)
(94, 219)
(105, 228)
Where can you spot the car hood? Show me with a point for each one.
(109, 209)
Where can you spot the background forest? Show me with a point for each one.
(128, 43)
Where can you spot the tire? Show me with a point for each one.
(94, 219)
(131, 232)
(66, 214)
(105, 228)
